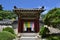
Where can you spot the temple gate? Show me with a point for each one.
(28, 19)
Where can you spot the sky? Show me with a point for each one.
(48, 4)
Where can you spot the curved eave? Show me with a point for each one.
(18, 11)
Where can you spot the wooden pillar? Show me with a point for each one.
(19, 25)
(36, 26)
(22, 25)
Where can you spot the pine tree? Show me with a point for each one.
(1, 8)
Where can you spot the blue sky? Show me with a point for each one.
(48, 4)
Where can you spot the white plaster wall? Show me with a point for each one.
(3, 26)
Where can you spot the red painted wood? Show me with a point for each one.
(22, 22)
(19, 24)
(37, 26)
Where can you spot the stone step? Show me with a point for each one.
(28, 34)
(28, 38)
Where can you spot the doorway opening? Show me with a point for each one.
(28, 27)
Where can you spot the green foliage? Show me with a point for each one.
(4, 35)
(4, 14)
(43, 31)
(54, 38)
(1, 18)
(1, 8)
(42, 15)
(9, 29)
(52, 17)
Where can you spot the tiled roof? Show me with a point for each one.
(6, 22)
(28, 9)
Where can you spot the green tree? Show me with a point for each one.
(1, 8)
(52, 17)
(43, 15)
(7, 15)
(4, 35)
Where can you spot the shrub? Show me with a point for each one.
(9, 29)
(54, 38)
(4, 35)
(43, 31)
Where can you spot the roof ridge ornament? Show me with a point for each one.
(43, 7)
(15, 7)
